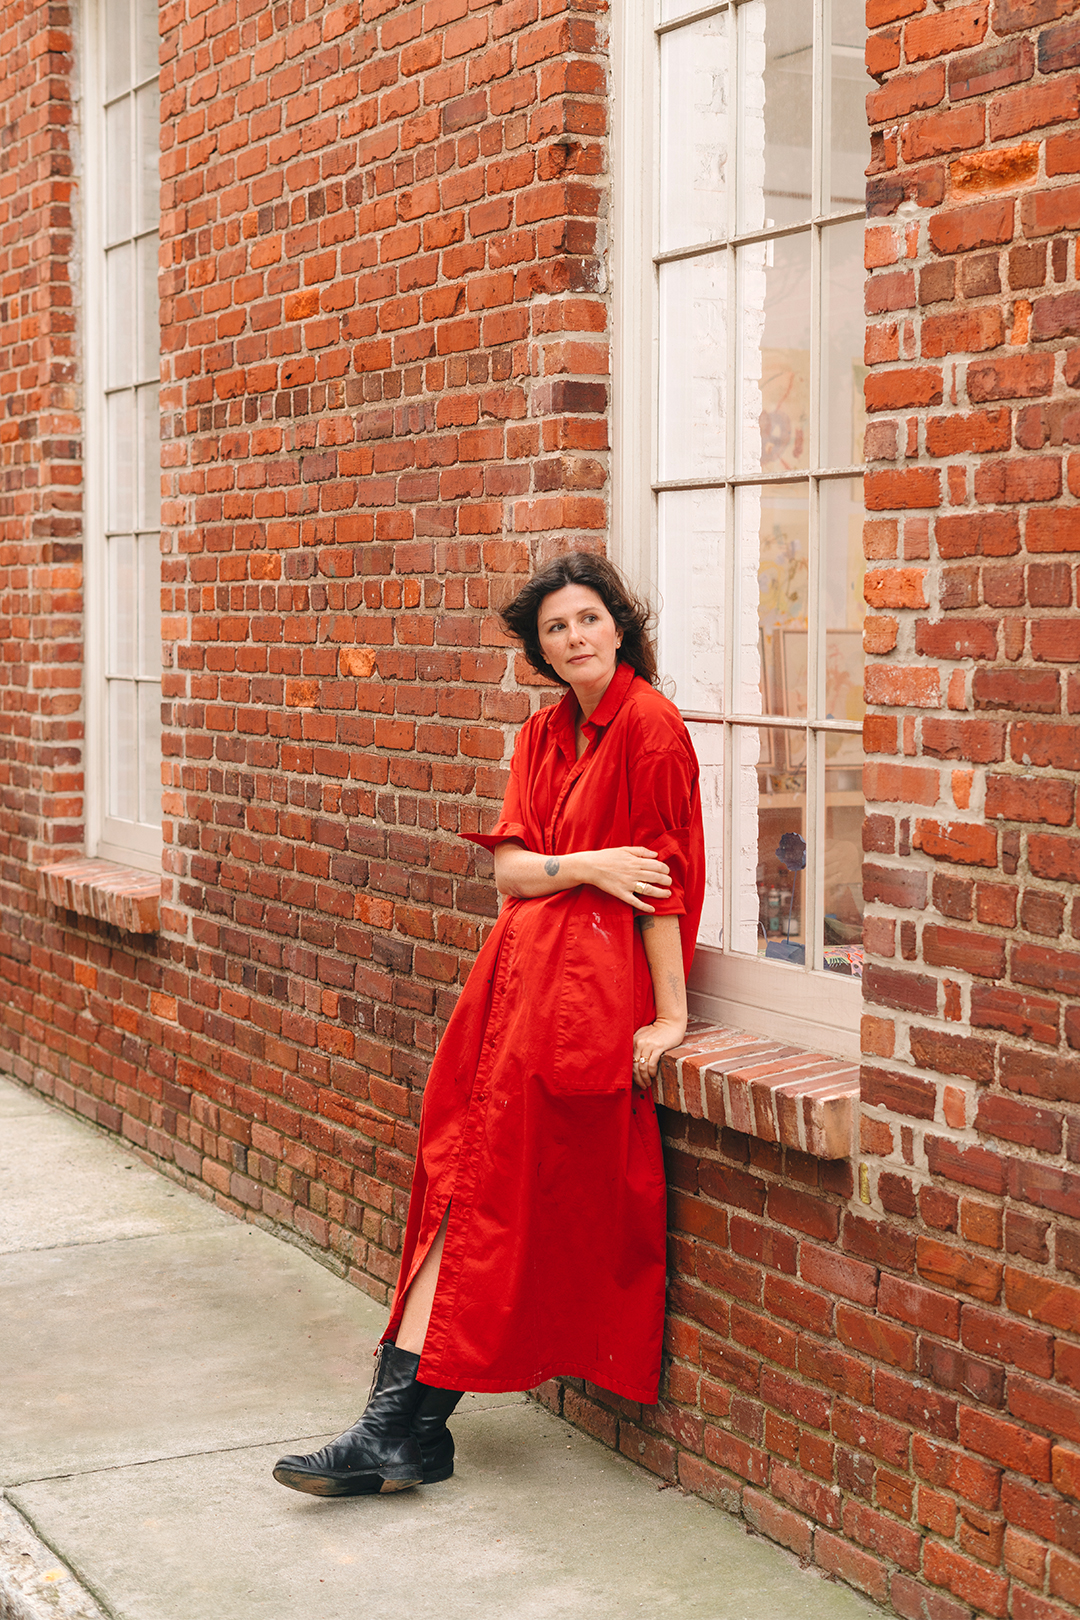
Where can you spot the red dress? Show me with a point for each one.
(531, 1131)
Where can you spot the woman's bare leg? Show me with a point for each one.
(421, 1296)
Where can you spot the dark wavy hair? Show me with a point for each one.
(631, 614)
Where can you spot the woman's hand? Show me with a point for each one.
(650, 1044)
(631, 873)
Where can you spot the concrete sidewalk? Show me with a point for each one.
(158, 1356)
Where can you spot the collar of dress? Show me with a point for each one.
(567, 711)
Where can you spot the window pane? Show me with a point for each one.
(693, 367)
(841, 542)
(847, 143)
(842, 865)
(119, 305)
(774, 316)
(708, 744)
(149, 457)
(117, 46)
(149, 352)
(149, 207)
(120, 702)
(147, 42)
(150, 605)
(691, 535)
(118, 141)
(122, 605)
(769, 844)
(120, 434)
(843, 411)
(693, 133)
(774, 540)
(150, 753)
(775, 113)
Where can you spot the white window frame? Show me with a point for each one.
(813, 1008)
(128, 843)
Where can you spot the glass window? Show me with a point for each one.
(123, 429)
(758, 248)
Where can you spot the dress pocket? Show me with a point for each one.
(594, 1027)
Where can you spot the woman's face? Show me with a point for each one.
(579, 638)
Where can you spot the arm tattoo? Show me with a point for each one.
(551, 866)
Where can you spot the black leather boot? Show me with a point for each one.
(430, 1431)
(379, 1452)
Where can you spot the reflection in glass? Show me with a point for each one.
(770, 832)
(147, 42)
(691, 580)
(149, 456)
(775, 113)
(841, 523)
(708, 741)
(121, 606)
(118, 142)
(147, 102)
(150, 605)
(117, 46)
(843, 336)
(693, 133)
(693, 361)
(774, 574)
(122, 796)
(149, 358)
(846, 145)
(150, 753)
(119, 305)
(774, 350)
(120, 431)
(842, 865)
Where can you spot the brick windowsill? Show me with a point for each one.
(120, 895)
(781, 1093)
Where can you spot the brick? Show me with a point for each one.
(906, 93)
(971, 1166)
(1016, 112)
(900, 1093)
(957, 1270)
(982, 954)
(1013, 1121)
(1021, 376)
(953, 1054)
(1006, 1443)
(986, 224)
(1040, 1074)
(1012, 61)
(1042, 1299)
(1002, 1338)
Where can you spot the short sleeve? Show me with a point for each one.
(663, 799)
(511, 822)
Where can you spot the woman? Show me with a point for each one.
(535, 1240)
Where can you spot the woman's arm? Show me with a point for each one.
(663, 951)
(525, 875)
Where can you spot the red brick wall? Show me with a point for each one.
(384, 393)
(40, 471)
(971, 1078)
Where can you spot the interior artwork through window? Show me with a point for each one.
(759, 411)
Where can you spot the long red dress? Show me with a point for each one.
(531, 1131)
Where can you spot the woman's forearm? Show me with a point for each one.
(525, 875)
(632, 873)
(662, 940)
